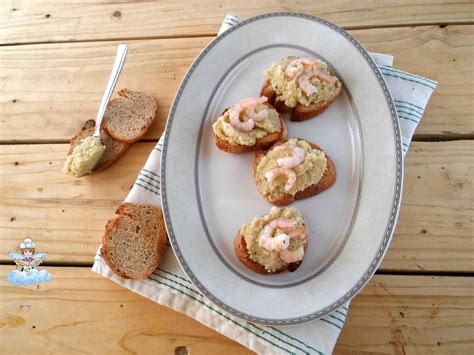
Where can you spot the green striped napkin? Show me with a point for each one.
(169, 286)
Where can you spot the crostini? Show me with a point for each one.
(292, 170)
(303, 87)
(250, 125)
(273, 243)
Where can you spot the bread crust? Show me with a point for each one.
(123, 93)
(110, 226)
(327, 180)
(107, 159)
(241, 250)
(262, 143)
(299, 112)
(132, 212)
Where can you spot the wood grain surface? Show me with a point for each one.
(96, 316)
(49, 21)
(55, 58)
(393, 314)
(67, 215)
(56, 87)
(411, 315)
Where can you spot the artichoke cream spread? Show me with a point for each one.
(289, 90)
(309, 172)
(84, 157)
(224, 129)
(274, 260)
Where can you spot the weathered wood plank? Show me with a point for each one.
(392, 314)
(443, 54)
(112, 319)
(66, 216)
(436, 222)
(48, 91)
(47, 21)
(411, 315)
(54, 208)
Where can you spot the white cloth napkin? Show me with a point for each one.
(169, 286)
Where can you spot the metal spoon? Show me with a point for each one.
(116, 70)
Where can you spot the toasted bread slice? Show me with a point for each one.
(326, 181)
(129, 117)
(262, 143)
(113, 150)
(134, 240)
(299, 112)
(243, 254)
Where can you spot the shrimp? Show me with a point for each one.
(304, 78)
(326, 77)
(289, 173)
(280, 148)
(295, 232)
(260, 116)
(249, 106)
(281, 241)
(293, 161)
(277, 244)
(292, 70)
(235, 122)
(305, 83)
(283, 223)
(252, 102)
(277, 223)
(291, 256)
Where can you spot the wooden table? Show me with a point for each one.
(54, 62)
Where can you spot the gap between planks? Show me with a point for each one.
(446, 137)
(214, 34)
(115, 39)
(80, 264)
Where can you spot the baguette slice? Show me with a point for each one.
(299, 112)
(262, 143)
(242, 252)
(129, 117)
(113, 150)
(134, 240)
(326, 181)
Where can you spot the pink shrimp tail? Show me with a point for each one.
(326, 77)
(297, 232)
(282, 223)
(289, 173)
(239, 125)
(280, 148)
(249, 106)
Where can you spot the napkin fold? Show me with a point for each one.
(169, 286)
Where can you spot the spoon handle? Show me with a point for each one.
(119, 60)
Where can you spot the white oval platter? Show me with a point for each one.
(207, 194)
